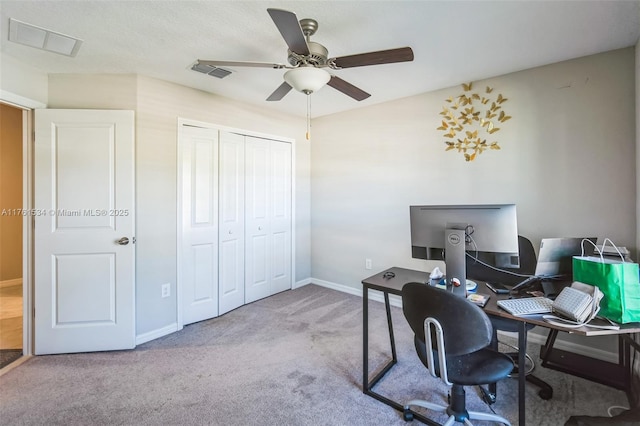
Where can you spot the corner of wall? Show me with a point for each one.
(23, 84)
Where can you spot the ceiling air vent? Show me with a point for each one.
(211, 70)
(41, 38)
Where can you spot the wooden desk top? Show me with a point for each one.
(394, 285)
(403, 276)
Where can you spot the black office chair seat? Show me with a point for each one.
(459, 335)
(478, 368)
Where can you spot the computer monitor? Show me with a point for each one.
(447, 232)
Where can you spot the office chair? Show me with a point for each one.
(478, 271)
(452, 338)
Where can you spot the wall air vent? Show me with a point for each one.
(211, 70)
(40, 38)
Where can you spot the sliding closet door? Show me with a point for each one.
(199, 251)
(267, 218)
(231, 275)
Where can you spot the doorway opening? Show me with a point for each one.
(11, 234)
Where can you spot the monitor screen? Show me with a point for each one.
(491, 228)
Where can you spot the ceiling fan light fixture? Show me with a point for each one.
(307, 79)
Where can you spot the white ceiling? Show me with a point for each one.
(453, 41)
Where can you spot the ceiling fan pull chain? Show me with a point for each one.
(308, 116)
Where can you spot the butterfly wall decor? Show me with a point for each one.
(470, 118)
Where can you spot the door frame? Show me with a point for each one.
(182, 122)
(27, 106)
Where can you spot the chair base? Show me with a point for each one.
(456, 410)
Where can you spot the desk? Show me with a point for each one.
(402, 276)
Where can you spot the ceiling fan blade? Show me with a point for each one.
(347, 88)
(403, 54)
(279, 93)
(289, 27)
(241, 64)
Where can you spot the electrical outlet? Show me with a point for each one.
(166, 290)
(367, 263)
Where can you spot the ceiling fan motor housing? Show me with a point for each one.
(318, 55)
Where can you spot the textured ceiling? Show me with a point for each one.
(453, 41)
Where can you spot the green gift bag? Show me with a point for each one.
(617, 279)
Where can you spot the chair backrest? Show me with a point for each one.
(466, 328)
(527, 254)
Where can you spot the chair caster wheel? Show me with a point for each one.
(545, 394)
(407, 415)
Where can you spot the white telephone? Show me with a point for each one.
(576, 305)
(580, 302)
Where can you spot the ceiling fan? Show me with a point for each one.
(308, 59)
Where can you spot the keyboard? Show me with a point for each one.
(526, 306)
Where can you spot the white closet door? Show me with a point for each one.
(257, 224)
(231, 240)
(280, 252)
(199, 263)
(268, 218)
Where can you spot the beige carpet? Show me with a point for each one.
(292, 359)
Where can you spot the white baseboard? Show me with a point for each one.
(154, 334)
(531, 337)
(10, 283)
(172, 328)
(301, 283)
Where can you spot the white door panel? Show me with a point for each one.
(268, 217)
(199, 262)
(257, 284)
(281, 219)
(71, 272)
(84, 204)
(231, 240)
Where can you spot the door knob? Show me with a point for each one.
(123, 241)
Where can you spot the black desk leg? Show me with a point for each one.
(365, 339)
(522, 373)
(367, 385)
(390, 324)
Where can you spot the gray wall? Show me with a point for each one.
(568, 160)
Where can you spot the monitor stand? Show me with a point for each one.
(455, 258)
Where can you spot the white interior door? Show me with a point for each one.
(199, 252)
(84, 231)
(231, 276)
